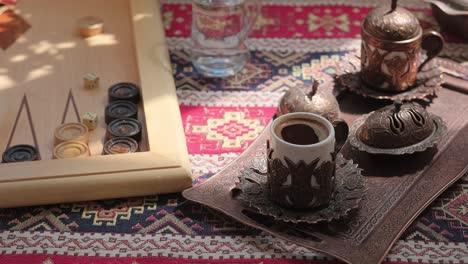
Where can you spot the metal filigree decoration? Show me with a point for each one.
(438, 130)
(428, 81)
(350, 189)
(306, 178)
(396, 126)
(401, 71)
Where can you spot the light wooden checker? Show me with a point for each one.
(41, 87)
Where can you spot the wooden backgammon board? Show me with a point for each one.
(42, 86)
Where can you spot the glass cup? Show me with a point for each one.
(219, 32)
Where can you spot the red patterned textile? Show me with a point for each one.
(8, 2)
(214, 130)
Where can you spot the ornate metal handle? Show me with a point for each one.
(433, 43)
(341, 133)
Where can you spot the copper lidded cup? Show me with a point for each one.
(392, 39)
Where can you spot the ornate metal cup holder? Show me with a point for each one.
(253, 190)
(428, 81)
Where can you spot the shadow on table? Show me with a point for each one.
(388, 165)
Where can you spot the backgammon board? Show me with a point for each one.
(41, 88)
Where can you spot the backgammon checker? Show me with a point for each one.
(124, 92)
(125, 127)
(71, 132)
(120, 109)
(120, 145)
(71, 149)
(20, 153)
(90, 26)
(76, 80)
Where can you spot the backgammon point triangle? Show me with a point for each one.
(71, 113)
(23, 131)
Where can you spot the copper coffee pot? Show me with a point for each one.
(391, 42)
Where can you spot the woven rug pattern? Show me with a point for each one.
(293, 42)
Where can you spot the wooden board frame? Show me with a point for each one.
(163, 169)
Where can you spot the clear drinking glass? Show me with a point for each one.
(219, 31)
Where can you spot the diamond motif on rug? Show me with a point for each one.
(278, 58)
(211, 130)
(249, 76)
(232, 129)
(328, 22)
(446, 219)
(115, 210)
(458, 207)
(321, 69)
(41, 219)
(169, 224)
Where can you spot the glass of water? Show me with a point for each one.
(219, 32)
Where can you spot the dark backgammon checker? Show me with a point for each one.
(120, 145)
(120, 109)
(124, 91)
(20, 153)
(124, 127)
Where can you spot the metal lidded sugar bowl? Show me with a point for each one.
(397, 129)
(391, 42)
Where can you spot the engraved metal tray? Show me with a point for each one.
(399, 188)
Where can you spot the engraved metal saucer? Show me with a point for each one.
(428, 81)
(355, 140)
(252, 189)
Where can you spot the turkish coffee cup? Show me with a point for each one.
(393, 65)
(301, 159)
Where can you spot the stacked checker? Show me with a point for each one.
(71, 141)
(123, 127)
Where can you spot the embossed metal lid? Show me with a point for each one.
(392, 23)
(398, 125)
(317, 100)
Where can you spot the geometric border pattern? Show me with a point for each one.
(224, 98)
(203, 247)
(360, 3)
(454, 50)
(209, 164)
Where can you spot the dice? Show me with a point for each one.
(90, 120)
(91, 81)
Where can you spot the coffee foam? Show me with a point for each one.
(319, 128)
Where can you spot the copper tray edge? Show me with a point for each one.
(344, 249)
(420, 210)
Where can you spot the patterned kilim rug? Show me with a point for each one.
(293, 42)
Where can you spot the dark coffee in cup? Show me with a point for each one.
(299, 131)
(301, 159)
